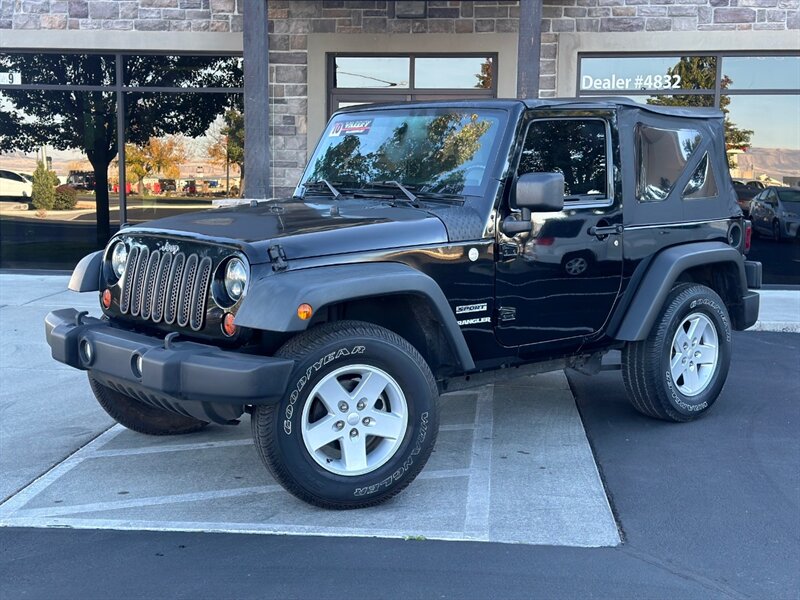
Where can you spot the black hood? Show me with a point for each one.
(306, 229)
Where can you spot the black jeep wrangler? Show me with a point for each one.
(428, 247)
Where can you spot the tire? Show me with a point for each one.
(331, 361)
(140, 417)
(689, 391)
(776, 231)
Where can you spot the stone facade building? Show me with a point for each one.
(586, 48)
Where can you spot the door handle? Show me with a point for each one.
(601, 232)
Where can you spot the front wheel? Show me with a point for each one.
(677, 373)
(358, 421)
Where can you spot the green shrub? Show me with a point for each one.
(66, 198)
(44, 183)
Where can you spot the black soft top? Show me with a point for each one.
(605, 102)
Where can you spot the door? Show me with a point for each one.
(560, 280)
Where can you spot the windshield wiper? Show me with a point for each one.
(336, 193)
(408, 193)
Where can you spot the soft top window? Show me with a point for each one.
(662, 155)
(702, 183)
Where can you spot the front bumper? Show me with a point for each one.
(187, 378)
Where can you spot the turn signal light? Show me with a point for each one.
(228, 328)
(304, 311)
(106, 299)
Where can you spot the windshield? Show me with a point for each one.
(444, 150)
(791, 198)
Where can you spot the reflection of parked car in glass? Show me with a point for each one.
(15, 185)
(167, 185)
(559, 243)
(756, 184)
(190, 187)
(744, 195)
(81, 180)
(776, 212)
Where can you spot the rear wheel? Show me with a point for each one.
(677, 373)
(358, 422)
(140, 417)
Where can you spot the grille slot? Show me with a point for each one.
(159, 286)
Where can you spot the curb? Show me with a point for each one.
(779, 326)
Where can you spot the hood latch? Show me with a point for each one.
(278, 258)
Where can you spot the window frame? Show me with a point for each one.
(583, 201)
(334, 95)
(120, 91)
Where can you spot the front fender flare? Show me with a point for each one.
(271, 302)
(86, 274)
(662, 274)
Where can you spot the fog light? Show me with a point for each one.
(136, 365)
(106, 298)
(87, 352)
(228, 327)
(304, 311)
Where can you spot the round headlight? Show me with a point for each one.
(235, 278)
(119, 258)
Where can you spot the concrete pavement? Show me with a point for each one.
(512, 463)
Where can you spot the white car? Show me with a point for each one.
(15, 185)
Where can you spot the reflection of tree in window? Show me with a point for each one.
(700, 73)
(420, 151)
(86, 121)
(343, 162)
(485, 76)
(576, 149)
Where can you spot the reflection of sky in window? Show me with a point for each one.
(369, 72)
(762, 72)
(775, 120)
(447, 72)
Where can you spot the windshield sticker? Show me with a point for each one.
(350, 128)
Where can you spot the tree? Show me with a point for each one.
(87, 121)
(43, 194)
(158, 155)
(700, 73)
(228, 146)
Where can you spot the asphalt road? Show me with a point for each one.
(708, 510)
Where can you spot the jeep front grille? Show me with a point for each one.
(160, 286)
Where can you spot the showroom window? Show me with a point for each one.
(355, 79)
(760, 98)
(119, 138)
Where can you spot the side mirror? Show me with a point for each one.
(540, 192)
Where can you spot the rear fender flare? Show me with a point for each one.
(271, 301)
(662, 274)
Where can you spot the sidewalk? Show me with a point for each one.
(780, 311)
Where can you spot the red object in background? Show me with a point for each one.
(748, 236)
(156, 188)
